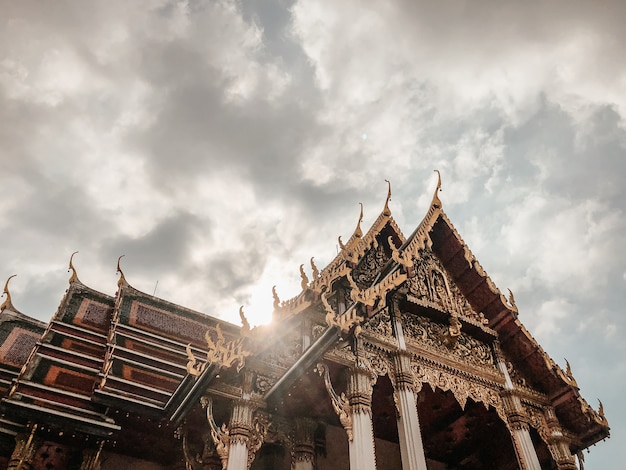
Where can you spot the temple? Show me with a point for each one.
(400, 354)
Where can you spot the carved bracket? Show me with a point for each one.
(220, 352)
(340, 403)
(220, 435)
(345, 321)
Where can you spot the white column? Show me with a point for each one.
(361, 447)
(520, 432)
(409, 432)
(237, 455)
(240, 434)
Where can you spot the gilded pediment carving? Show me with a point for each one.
(432, 286)
(434, 336)
(461, 388)
(369, 267)
(380, 327)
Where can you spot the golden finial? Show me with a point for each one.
(305, 280)
(386, 210)
(122, 279)
(276, 299)
(512, 299)
(74, 276)
(245, 328)
(436, 201)
(357, 231)
(601, 410)
(7, 302)
(341, 245)
(316, 272)
(568, 368)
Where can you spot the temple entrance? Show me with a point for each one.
(473, 438)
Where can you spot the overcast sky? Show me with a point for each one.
(219, 145)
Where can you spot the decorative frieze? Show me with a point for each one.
(461, 387)
(431, 285)
(437, 338)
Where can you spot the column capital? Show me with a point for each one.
(361, 380)
(304, 441)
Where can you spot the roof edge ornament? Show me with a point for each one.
(7, 302)
(276, 298)
(436, 201)
(304, 280)
(316, 272)
(386, 210)
(358, 233)
(122, 280)
(74, 276)
(245, 325)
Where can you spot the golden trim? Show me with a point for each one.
(122, 280)
(74, 276)
(7, 303)
(386, 210)
(340, 403)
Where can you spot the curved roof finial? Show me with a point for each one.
(304, 280)
(122, 279)
(276, 298)
(74, 276)
(7, 303)
(436, 200)
(357, 231)
(316, 272)
(245, 325)
(386, 210)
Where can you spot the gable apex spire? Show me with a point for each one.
(386, 210)
(436, 201)
(74, 276)
(7, 302)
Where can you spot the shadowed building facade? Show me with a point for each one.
(400, 353)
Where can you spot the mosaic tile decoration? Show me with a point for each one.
(17, 346)
(94, 315)
(156, 320)
(69, 380)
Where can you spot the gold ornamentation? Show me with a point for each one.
(245, 325)
(430, 335)
(276, 299)
(364, 274)
(512, 300)
(220, 352)
(7, 302)
(316, 272)
(386, 210)
(304, 282)
(358, 233)
(461, 388)
(345, 321)
(570, 376)
(405, 259)
(74, 276)
(436, 202)
(220, 435)
(380, 326)
(431, 287)
(450, 337)
(122, 280)
(340, 402)
(377, 292)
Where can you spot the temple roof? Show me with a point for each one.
(136, 352)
